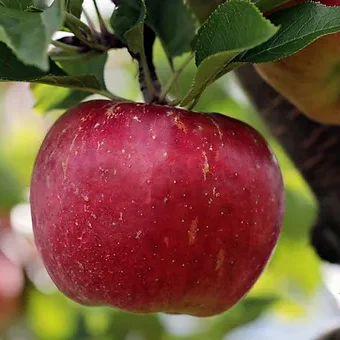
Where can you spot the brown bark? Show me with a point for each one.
(315, 150)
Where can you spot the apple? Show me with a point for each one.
(310, 78)
(151, 208)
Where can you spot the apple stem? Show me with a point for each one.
(145, 80)
(176, 74)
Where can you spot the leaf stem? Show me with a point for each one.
(57, 56)
(175, 102)
(89, 22)
(194, 103)
(77, 32)
(110, 95)
(74, 23)
(175, 77)
(83, 33)
(102, 25)
(65, 47)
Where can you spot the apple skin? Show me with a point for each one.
(310, 78)
(150, 209)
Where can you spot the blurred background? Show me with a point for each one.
(297, 297)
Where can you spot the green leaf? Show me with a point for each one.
(14, 70)
(228, 29)
(173, 23)
(300, 26)
(65, 97)
(93, 66)
(16, 4)
(44, 102)
(74, 7)
(128, 23)
(135, 35)
(171, 20)
(28, 34)
(10, 189)
(233, 28)
(86, 83)
(74, 97)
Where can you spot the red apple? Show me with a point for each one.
(310, 78)
(155, 209)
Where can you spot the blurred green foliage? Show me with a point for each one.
(292, 273)
(10, 189)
